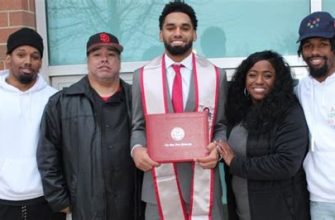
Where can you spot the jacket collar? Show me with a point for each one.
(80, 87)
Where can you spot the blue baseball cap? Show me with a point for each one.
(317, 24)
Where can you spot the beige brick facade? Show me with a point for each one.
(14, 14)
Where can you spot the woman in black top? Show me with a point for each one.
(267, 142)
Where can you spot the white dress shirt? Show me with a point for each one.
(185, 71)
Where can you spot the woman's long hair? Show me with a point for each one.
(260, 117)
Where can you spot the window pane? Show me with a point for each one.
(226, 28)
(329, 5)
(236, 28)
(71, 22)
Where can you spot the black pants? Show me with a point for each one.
(39, 211)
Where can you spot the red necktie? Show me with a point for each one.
(177, 90)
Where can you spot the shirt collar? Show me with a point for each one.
(187, 62)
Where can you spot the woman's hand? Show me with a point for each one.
(225, 151)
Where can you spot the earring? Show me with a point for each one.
(246, 93)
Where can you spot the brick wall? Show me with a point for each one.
(14, 14)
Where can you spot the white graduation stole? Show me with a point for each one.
(154, 90)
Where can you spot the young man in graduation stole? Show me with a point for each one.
(193, 189)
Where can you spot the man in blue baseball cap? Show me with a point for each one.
(316, 92)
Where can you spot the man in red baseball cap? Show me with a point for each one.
(83, 154)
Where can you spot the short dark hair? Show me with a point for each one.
(331, 40)
(178, 7)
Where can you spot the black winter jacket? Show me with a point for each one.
(277, 187)
(70, 161)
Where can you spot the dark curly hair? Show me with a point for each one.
(260, 118)
(331, 40)
(178, 7)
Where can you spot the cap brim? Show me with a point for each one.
(306, 36)
(118, 47)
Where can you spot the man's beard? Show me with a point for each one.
(26, 78)
(318, 72)
(178, 50)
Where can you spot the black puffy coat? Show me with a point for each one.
(277, 187)
(70, 161)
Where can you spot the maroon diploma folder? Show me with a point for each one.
(177, 137)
